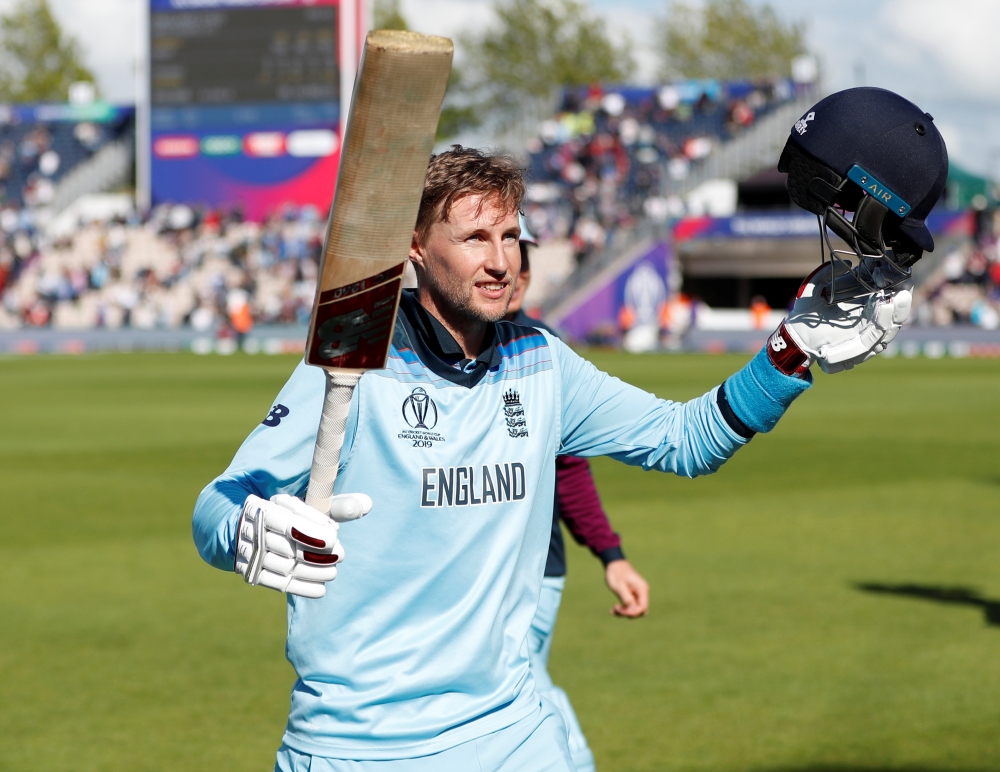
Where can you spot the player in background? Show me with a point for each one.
(578, 505)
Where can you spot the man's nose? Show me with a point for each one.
(497, 262)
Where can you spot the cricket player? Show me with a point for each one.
(416, 657)
(578, 505)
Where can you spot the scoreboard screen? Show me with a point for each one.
(234, 55)
(243, 100)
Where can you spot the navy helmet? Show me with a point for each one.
(871, 152)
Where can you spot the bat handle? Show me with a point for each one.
(330, 438)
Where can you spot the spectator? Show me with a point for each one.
(178, 267)
(606, 154)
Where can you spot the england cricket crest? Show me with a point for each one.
(513, 413)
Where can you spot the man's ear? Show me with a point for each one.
(416, 252)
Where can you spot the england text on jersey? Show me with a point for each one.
(465, 486)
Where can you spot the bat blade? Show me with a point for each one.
(383, 162)
(388, 142)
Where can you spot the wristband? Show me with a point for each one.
(610, 555)
(760, 393)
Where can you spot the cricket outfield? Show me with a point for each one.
(828, 602)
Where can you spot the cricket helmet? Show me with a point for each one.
(871, 165)
(526, 235)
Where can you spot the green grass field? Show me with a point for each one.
(121, 650)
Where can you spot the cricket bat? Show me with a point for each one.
(383, 161)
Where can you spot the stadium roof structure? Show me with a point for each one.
(776, 244)
(64, 112)
(963, 187)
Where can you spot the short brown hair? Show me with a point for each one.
(463, 171)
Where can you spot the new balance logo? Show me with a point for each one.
(785, 354)
(343, 334)
(274, 417)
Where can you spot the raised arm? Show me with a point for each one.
(604, 416)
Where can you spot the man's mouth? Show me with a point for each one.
(493, 289)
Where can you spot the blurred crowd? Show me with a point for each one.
(608, 157)
(221, 274)
(213, 271)
(965, 288)
(34, 156)
(604, 162)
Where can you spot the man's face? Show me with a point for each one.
(468, 264)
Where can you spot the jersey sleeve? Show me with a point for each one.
(275, 458)
(601, 415)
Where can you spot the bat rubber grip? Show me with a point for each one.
(330, 438)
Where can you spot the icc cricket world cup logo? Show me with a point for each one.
(419, 410)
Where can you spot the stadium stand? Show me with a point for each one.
(611, 155)
(964, 288)
(40, 145)
(177, 267)
(610, 175)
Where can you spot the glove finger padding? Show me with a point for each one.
(902, 300)
(869, 329)
(843, 334)
(277, 564)
(311, 573)
(292, 585)
(286, 545)
(305, 589)
(296, 520)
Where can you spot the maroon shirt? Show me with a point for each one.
(578, 504)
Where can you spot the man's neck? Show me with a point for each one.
(468, 333)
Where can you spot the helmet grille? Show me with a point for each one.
(872, 235)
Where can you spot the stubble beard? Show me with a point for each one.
(455, 299)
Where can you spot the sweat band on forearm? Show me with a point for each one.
(759, 394)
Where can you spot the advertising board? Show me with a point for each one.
(244, 100)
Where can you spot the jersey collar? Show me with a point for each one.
(437, 349)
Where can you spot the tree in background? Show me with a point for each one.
(536, 48)
(728, 39)
(38, 62)
(387, 15)
(457, 114)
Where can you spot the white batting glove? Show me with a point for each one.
(837, 335)
(290, 547)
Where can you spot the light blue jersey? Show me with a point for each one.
(539, 645)
(421, 642)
